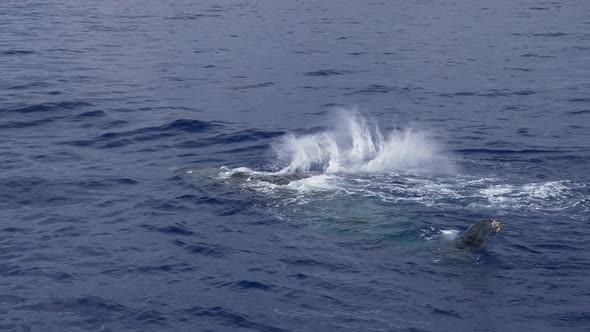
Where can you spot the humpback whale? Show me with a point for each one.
(278, 179)
(475, 236)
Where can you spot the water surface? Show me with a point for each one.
(123, 121)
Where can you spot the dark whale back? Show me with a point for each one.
(476, 234)
(278, 179)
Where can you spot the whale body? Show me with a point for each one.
(277, 179)
(476, 235)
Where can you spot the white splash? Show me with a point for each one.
(357, 147)
(226, 172)
(314, 183)
(360, 161)
(553, 189)
(552, 195)
(498, 193)
(449, 234)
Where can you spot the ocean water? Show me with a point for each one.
(122, 122)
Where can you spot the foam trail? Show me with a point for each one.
(358, 147)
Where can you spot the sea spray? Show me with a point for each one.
(356, 146)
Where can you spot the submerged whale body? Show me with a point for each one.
(277, 179)
(475, 236)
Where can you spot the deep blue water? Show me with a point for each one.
(121, 123)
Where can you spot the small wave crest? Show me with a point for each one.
(360, 146)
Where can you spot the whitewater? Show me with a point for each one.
(359, 170)
(357, 145)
